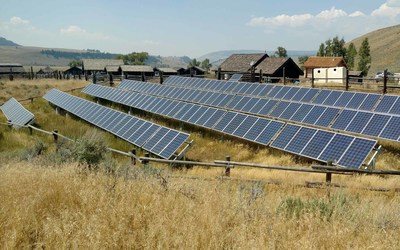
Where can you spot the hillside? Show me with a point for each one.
(5, 42)
(384, 44)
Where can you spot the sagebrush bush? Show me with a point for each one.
(90, 149)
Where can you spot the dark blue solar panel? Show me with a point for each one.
(370, 102)
(190, 113)
(392, 129)
(284, 90)
(256, 129)
(317, 144)
(300, 94)
(357, 100)
(251, 88)
(278, 110)
(234, 102)
(261, 90)
(248, 122)
(300, 140)
(250, 104)
(129, 131)
(332, 98)
(344, 119)
(174, 145)
(396, 107)
(290, 93)
(196, 115)
(140, 139)
(205, 116)
(226, 119)
(327, 117)
(230, 87)
(258, 106)
(184, 109)
(290, 111)
(164, 142)
(285, 136)
(314, 115)
(269, 132)
(274, 91)
(344, 99)
(155, 139)
(302, 112)
(225, 100)
(125, 119)
(359, 122)
(336, 148)
(217, 99)
(267, 107)
(240, 104)
(310, 95)
(235, 77)
(234, 123)
(386, 104)
(321, 97)
(357, 153)
(210, 123)
(376, 125)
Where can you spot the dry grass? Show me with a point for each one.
(70, 208)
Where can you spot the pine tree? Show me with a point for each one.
(365, 57)
(351, 55)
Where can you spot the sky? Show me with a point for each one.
(191, 28)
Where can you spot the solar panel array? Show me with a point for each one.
(154, 138)
(235, 77)
(16, 114)
(361, 122)
(252, 128)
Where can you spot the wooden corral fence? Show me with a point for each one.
(228, 165)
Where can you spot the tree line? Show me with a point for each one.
(92, 54)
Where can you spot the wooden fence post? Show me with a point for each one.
(385, 81)
(347, 80)
(328, 181)
(261, 75)
(284, 75)
(227, 168)
(133, 157)
(312, 78)
(111, 79)
(55, 136)
(161, 77)
(145, 162)
(219, 73)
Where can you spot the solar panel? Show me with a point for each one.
(336, 148)
(302, 112)
(279, 108)
(332, 98)
(245, 126)
(317, 144)
(392, 129)
(344, 119)
(16, 114)
(269, 132)
(327, 117)
(359, 122)
(290, 110)
(285, 136)
(235, 77)
(370, 102)
(314, 115)
(322, 96)
(298, 143)
(127, 127)
(357, 153)
(386, 104)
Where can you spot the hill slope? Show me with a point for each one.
(384, 44)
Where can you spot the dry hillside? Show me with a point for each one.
(384, 44)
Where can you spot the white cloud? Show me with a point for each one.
(389, 9)
(331, 14)
(357, 14)
(17, 21)
(74, 30)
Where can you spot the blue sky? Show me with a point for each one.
(192, 28)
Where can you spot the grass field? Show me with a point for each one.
(61, 204)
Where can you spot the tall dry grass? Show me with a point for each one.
(66, 207)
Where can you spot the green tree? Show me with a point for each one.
(302, 60)
(194, 62)
(365, 57)
(134, 58)
(75, 63)
(206, 64)
(321, 51)
(351, 55)
(280, 52)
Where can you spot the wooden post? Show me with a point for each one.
(284, 76)
(385, 81)
(143, 79)
(328, 181)
(161, 77)
(261, 75)
(347, 80)
(30, 130)
(227, 168)
(145, 162)
(11, 75)
(252, 74)
(133, 159)
(55, 136)
(111, 79)
(94, 77)
(219, 73)
(9, 124)
(312, 78)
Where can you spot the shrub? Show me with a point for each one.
(90, 149)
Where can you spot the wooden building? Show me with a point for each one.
(136, 70)
(191, 71)
(276, 68)
(90, 66)
(315, 62)
(242, 63)
(74, 71)
(11, 68)
(113, 70)
(165, 71)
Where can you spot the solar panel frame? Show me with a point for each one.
(16, 114)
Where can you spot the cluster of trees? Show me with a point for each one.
(134, 58)
(336, 47)
(89, 54)
(205, 64)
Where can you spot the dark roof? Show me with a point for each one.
(73, 69)
(324, 62)
(47, 70)
(241, 62)
(137, 68)
(271, 64)
(167, 70)
(15, 67)
(112, 69)
(100, 64)
(197, 68)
